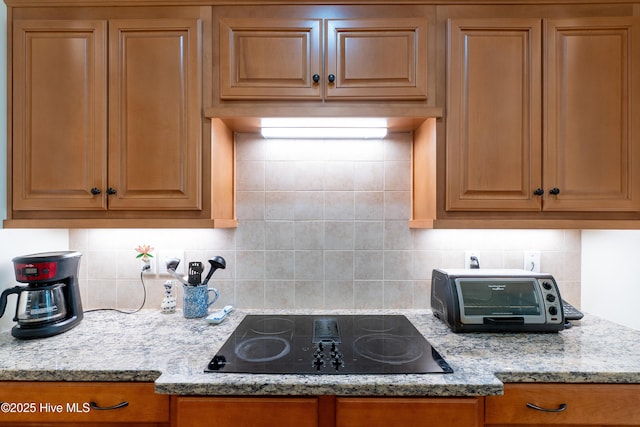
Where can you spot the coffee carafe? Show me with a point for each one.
(50, 303)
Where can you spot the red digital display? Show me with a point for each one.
(36, 271)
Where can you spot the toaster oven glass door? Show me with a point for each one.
(485, 298)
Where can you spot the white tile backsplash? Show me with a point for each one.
(322, 224)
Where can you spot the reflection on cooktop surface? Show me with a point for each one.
(327, 344)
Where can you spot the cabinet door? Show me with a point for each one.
(88, 403)
(155, 125)
(376, 58)
(59, 114)
(246, 411)
(584, 404)
(592, 101)
(494, 116)
(270, 58)
(401, 412)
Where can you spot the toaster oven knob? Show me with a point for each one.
(547, 285)
(551, 298)
(553, 310)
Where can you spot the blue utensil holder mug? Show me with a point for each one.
(196, 300)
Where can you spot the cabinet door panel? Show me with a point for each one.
(154, 112)
(591, 135)
(246, 411)
(269, 58)
(377, 58)
(401, 412)
(494, 119)
(59, 114)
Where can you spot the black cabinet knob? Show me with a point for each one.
(332, 78)
(316, 78)
(555, 191)
(538, 192)
(111, 191)
(95, 191)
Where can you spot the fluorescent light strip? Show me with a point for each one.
(324, 128)
(324, 133)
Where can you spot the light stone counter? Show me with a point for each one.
(173, 352)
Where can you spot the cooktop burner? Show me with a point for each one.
(326, 344)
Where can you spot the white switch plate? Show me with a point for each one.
(531, 261)
(467, 257)
(166, 254)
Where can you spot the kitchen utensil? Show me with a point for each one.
(50, 303)
(195, 272)
(196, 300)
(218, 316)
(216, 263)
(172, 265)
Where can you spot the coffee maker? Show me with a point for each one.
(50, 303)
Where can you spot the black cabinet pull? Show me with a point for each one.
(561, 408)
(95, 406)
(95, 191)
(332, 78)
(555, 191)
(538, 192)
(111, 191)
(316, 78)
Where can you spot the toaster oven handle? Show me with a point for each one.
(503, 320)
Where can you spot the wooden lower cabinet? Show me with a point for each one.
(584, 405)
(82, 404)
(405, 411)
(326, 411)
(246, 411)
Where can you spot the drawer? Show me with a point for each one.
(82, 402)
(402, 412)
(246, 411)
(586, 404)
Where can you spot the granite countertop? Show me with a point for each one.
(173, 352)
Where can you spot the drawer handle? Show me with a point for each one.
(560, 408)
(94, 405)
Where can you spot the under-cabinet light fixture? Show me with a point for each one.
(324, 128)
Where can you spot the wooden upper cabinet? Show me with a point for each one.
(282, 58)
(376, 58)
(59, 114)
(592, 102)
(514, 144)
(107, 119)
(270, 58)
(155, 147)
(494, 119)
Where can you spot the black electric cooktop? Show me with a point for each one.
(326, 344)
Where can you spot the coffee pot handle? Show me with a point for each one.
(5, 294)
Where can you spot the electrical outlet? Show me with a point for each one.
(166, 254)
(152, 264)
(468, 263)
(532, 261)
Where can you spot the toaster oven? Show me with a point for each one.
(493, 300)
